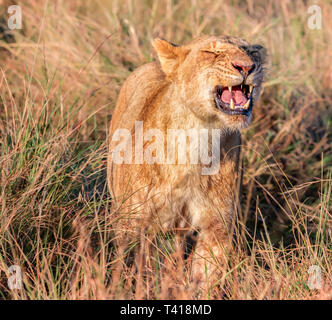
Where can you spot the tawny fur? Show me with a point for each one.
(176, 92)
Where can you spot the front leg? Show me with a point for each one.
(210, 256)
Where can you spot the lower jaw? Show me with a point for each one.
(237, 122)
(235, 111)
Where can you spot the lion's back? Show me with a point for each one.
(137, 90)
(134, 98)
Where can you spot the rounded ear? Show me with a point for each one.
(170, 55)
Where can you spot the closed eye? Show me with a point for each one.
(216, 52)
(210, 52)
(208, 55)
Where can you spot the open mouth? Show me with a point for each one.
(235, 100)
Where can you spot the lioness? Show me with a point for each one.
(206, 88)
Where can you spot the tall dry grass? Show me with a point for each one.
(59, 79)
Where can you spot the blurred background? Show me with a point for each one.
(60, 75)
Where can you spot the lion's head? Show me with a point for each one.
(218, 78)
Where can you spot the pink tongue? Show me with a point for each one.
(226, 96)
(237, 95)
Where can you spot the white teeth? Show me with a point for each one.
(246, 106)
(232, 104)
(250, 88)
(230, 89)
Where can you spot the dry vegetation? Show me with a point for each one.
(59, 79)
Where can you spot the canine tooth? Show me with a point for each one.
(246, 106)
(250, 88)
(232, 104)
(230, 89)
